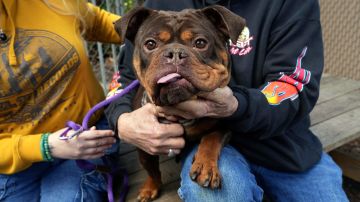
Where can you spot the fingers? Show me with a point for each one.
(93, 134)
(96, 150)
(188, 109)
(161, 147)
(99, 142)
(175, 151)
(217, 95)
(174, 143)
(94, 156)
(90, 149)
(168, 130)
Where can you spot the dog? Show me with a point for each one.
(178, 55)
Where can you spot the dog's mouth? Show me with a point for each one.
(173, 88)
(169, 78)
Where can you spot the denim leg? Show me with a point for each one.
(24, 185)
(322, 183)
(67, 182)
(237, 181)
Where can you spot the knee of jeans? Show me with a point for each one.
(7, 186)
(237, 181)
(95, 180)
(328, 167)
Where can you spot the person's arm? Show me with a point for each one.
(123, 104)
(21, 151)
(18, 152)
(291, 71)
(100, 26)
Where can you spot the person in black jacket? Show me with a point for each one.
(277, 63)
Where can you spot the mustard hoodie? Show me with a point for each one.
(45, 75)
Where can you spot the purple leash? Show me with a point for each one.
(83, 164)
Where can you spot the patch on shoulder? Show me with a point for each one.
(243, 44)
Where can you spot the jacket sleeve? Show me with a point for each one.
(18, 152)
(123, 104)
(291, 71)
(100, 25)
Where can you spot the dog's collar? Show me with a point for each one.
(184, 122)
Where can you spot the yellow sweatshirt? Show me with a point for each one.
(45, 75)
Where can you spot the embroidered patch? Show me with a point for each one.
(277, 91)
(288, 86)
(114, 84)
(114, 92)
(243, 44)
(300, 76)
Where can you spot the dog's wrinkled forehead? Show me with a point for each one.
(142, 21)
(176, 27)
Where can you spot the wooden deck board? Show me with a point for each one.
(335, 120)
(337, 87)
(336, 106)
(170, 173)
(350, 163)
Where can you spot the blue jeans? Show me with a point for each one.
(61, 180)
(243, 181)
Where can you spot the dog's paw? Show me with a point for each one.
(206, 173)
(149, 191)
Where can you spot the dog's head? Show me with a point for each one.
(179, 54)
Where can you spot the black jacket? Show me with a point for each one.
(276, 69)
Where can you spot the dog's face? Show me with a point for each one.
(179, 54)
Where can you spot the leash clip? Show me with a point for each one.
(77, 132)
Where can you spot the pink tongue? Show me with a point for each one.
(169, 78)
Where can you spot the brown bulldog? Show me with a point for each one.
(176, 56)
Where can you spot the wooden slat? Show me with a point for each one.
(338, 130)
(326, 78)
(335, 107)
(131, 162)
(349, 163)
(170, 173)
(169, 193)
(336, 88)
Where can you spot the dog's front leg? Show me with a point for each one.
(204, 169)
(150, 189)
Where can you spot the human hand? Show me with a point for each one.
(142, 129)
(219, 103)
(89, 144)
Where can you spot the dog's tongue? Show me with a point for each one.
(169, 78)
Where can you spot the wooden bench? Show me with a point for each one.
(335, 120)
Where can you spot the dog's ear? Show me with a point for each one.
(128, 25)
(226, 21)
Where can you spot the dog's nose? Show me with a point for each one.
(175, 55)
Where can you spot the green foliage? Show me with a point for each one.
(129, 4)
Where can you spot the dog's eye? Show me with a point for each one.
(150, 44)
(200, 43)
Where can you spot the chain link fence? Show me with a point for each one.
(104, 57)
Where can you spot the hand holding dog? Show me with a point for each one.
(90, 144)
(142, 129)
(219, 103)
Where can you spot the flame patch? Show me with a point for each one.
(278, 91)
(288, 86)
